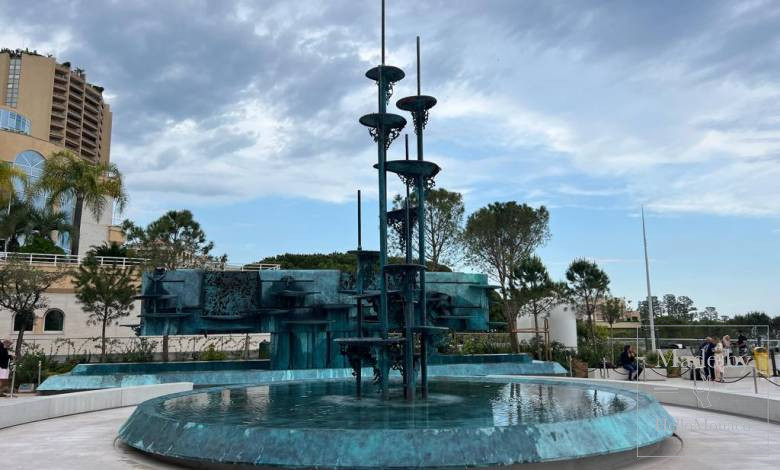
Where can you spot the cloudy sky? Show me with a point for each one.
(246, 113)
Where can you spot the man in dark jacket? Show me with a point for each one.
(708, 356)
(628, 361)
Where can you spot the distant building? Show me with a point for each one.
(46, 107)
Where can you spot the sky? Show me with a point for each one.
(246, 113)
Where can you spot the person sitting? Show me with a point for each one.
(628, 362)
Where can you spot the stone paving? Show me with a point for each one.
(87, 442)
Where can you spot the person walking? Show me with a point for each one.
(5, 363)
(717, 352)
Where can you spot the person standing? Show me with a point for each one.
(5, 362)
(717, 352)
(742, 344)
(727, 350)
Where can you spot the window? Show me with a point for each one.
(54, 320)
(31, 162)
(14, 122)
(14, 71)
(19, 321)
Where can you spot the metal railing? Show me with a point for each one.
(146, 348)
(54, 260)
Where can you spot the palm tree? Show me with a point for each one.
(66, 175)
(9, 175)
(14, 223)
(46, 220)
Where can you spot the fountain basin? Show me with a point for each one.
(484, 422)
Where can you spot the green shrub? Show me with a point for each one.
(27, 368)
(211, 354)
(39, 244)
(140, 351)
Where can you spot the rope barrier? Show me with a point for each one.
(656, 373)
(735, 381)
(770, 381)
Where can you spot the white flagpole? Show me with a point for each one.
(650, 312)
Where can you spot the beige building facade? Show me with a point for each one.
(47, 107)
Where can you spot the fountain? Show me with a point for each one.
(384, 323)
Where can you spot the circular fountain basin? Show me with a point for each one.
(464, 422)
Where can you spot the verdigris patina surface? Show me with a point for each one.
(463, 422)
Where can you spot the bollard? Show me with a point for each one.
(13, 378)
(755, 381)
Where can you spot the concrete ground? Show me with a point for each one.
(744, 386)
(87, 441)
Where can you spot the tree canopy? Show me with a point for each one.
(587, 284)
(535, 292)
(174, 241)
(444, 211)
(22, 288)
(498, 237)
(105, 292)
(92, 186)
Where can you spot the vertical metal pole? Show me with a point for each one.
(421, 239)
(755, 380)
(39, 375)
(407, 219)
(650, 313)
(383, 32)
(382, 210)
(359, 224)
(13, 378)
(383, 352)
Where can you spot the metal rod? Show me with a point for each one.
(382, 157)
(359, 378)
(418, 65)
(755, 380)
(408, 220)
(12, 364)
(383, 32)
(359, 224)
(650, 313)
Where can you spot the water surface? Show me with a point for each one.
(450, 404)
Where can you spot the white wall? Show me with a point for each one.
(562, 323)
(94, 232)
(75, 324)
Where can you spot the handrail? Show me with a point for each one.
(49, 259)
(54, 260)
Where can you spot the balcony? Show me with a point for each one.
(91, 121)
(89, 106)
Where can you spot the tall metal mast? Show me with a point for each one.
(650, 313)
